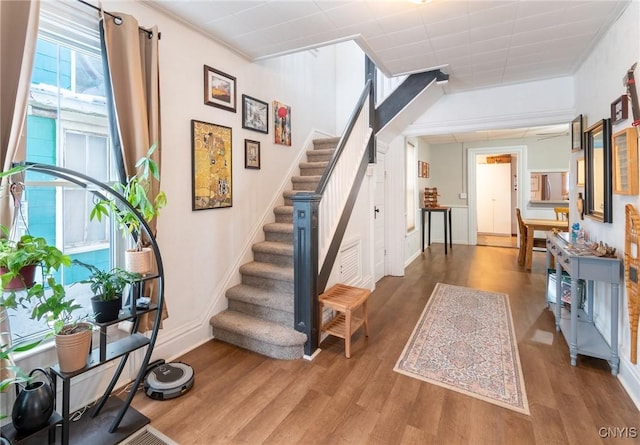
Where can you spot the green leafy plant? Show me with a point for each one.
(27, 251)
(54, 307)
(108, 285)
(135, 191)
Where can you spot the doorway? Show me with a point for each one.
(479, 181)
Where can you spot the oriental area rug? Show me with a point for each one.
(465, 341)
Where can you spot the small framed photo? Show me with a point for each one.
(255, 114)
(577, 136)
(282, 123)
(251, 154)
(619, 109)
(219, 89)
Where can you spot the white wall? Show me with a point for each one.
(598, 82)
(202, 250)
(448, 169)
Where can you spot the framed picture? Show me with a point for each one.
(577, 136)
(251, 154)
(211, 166)
(219, 89)
(425, 169)
(282, 123)
(580, 173)
(255, 114)
(420, 169)
(625, 162)
(619, 109)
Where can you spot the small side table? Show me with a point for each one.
(345, 300)
(446, 211)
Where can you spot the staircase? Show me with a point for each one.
(260, 312)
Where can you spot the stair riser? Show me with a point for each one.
(318, 157)
(269, 284)
(325, 145)
(273, 258)
(311, 171)
(284, 218)
(261, 347)
(304, 186)
(279, 237)
(265, 313)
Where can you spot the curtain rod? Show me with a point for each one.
(149, 33)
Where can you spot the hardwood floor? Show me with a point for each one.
(243, 398)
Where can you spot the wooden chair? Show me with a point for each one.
(537, 242)
(562, 213)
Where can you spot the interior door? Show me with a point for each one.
(493, 198)
(379, 215)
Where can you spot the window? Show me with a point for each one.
(67, 126)
(411, 177)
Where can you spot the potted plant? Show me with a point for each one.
(72, 330)
(18, 259)
(135, 191)
(48, 300)
(107, 288)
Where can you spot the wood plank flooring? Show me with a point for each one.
(240, 397)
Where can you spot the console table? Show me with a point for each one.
(578, 327)
(446, 211)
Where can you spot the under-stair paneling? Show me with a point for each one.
(351, 263)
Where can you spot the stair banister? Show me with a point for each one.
(317, 240)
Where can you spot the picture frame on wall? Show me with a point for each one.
(577, 133)
(281, 123)
(619, 109)
(580, 172)
(255, 114)
(219, 89)
(251, 154)
(211, 175)
(625, 162)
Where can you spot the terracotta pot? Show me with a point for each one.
(24, 280)
(138, 261)
(73, 349)
(106, 311)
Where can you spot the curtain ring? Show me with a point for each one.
(117, 20)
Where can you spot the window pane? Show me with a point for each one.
(67, 125)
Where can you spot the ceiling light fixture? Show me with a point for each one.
(420, 2)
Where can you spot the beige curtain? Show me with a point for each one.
(132, 57)
(18, 36)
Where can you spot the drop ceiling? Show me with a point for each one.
(479, 44)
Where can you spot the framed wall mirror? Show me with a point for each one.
(598, 180)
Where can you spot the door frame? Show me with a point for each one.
(472, 154)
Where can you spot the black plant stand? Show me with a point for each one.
(112, 419)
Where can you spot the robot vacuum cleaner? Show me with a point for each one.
(168, 380)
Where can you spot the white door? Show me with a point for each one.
(379, 214)
(493, 198)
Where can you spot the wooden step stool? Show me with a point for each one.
(345, 300)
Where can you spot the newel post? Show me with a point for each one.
(305, 266)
